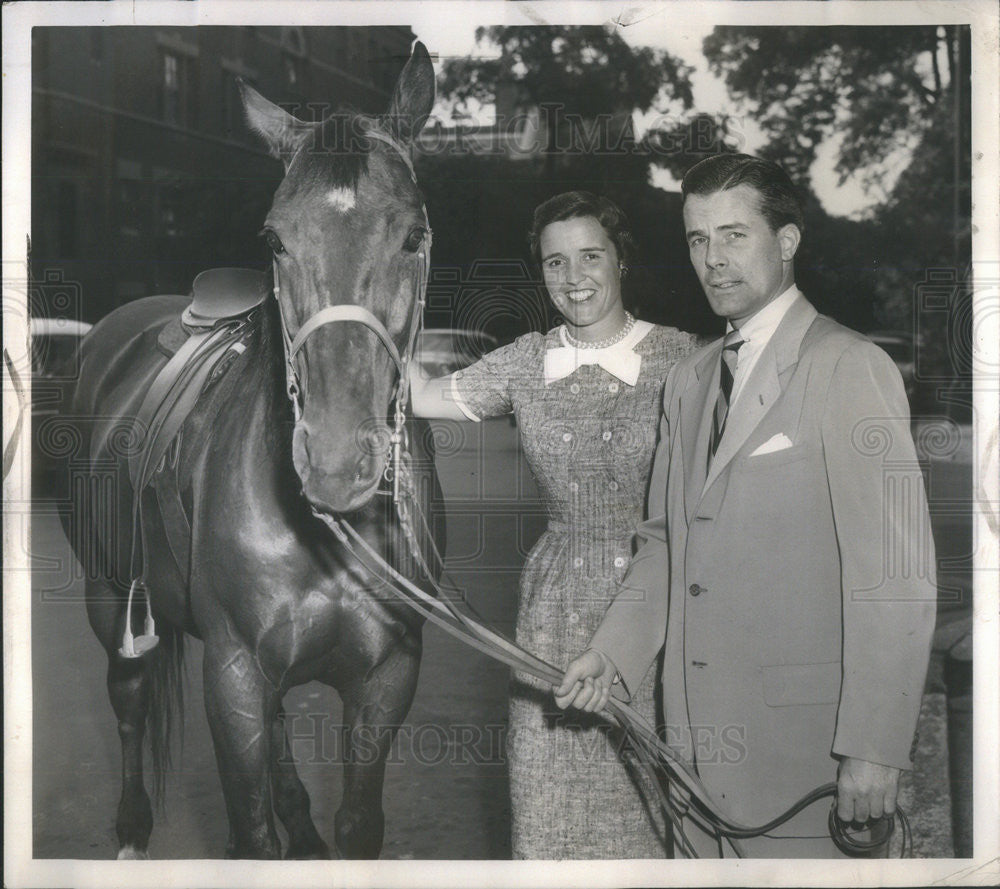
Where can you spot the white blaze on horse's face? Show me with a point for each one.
(347, 226)
(341, 199)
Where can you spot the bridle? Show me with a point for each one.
(677, 786)
(398, 444)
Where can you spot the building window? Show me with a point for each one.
(233, 116)
(177, 94)
(355, 50)
(67, 220)
(130, 207)
(97, 44)
(132, 203)
(171, 88)
(293, 70)
(171, 214)
(294, 57)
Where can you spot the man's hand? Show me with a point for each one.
(587, 682)
(865, 790)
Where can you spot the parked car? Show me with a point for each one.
(442, 351)
(899, 345)
(53, 344)
(53, 341)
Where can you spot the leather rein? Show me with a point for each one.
(679, 789)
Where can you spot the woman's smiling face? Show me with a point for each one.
(583, 277)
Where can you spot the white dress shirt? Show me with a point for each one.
(757, 331)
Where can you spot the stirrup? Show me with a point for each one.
(137, 646)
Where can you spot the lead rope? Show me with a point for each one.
(659, 761)
(680, 791)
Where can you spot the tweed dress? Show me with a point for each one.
(589, 439)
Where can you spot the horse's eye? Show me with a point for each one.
(415, 239)
(273, 242)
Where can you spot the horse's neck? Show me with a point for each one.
(269, 361)
(262, 382)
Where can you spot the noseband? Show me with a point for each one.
(361, 315)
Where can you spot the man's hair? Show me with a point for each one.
(577, 204)
(779, 202)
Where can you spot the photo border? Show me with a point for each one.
(424, 17)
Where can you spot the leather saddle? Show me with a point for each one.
(217, 295)
(202, 343)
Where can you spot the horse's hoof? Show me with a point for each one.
(130, 853)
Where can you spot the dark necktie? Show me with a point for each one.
(730, 348)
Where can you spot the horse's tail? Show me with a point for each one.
(165, 673)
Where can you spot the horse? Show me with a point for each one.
(276, 599)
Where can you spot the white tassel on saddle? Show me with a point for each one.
(136, 646)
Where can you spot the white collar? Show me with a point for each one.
(758, 328)
(619, 359)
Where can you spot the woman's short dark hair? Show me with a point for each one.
(779, 202)
(577, 204)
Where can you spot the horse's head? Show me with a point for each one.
(347, 228)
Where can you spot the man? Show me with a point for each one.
(787, 509)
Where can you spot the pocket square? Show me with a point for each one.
(775, 443)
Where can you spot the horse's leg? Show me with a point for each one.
(373, 711)
(241, 703)
(128, 688)
(291, 800)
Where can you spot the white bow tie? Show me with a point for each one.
(621, 362)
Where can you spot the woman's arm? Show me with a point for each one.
(433, 399)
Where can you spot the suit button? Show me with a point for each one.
(696, 590)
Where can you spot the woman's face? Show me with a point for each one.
(582, 275)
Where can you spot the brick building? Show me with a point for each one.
(143, 170)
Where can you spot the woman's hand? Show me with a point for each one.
(587, 682)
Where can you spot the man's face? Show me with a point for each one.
(742, 264)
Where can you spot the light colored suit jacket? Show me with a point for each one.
(798, 617)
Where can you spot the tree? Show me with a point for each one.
(873, 88)
(587, 71)
(892, 98)
(587, 82)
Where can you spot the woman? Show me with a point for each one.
(586, 396)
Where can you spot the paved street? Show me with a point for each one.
(445, 794)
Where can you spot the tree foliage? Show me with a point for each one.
(874, 88)
(587, 70)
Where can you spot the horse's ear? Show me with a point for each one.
(413, 97)
(282, 132)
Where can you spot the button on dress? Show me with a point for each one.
(589, 440)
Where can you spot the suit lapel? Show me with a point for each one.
(696, 406)
(764, 385)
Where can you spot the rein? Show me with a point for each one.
(676, 783)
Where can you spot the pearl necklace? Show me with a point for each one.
(602, 344)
